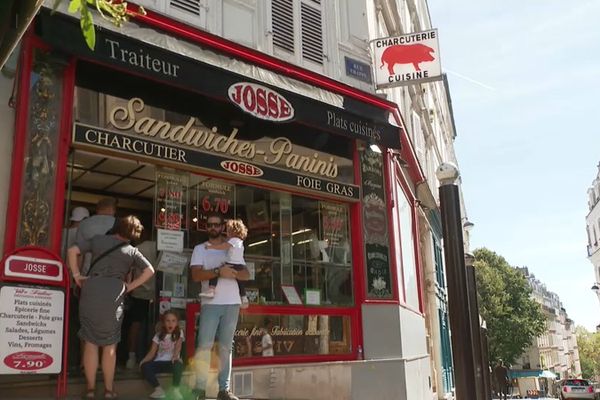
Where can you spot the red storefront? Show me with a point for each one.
(173, 138)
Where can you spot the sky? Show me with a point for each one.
(524, 79)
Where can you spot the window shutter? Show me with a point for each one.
(191, 11)
(312, 31)
(191, 7)
(283, 24)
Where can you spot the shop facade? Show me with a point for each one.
(311, 167)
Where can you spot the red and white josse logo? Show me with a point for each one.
(261, 102)
(241, 168)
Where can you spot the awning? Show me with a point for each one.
(157, 61)
(531, 373)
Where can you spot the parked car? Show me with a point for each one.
(576, 389)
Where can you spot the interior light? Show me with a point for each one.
(304, 241)
(257, 243)
(301, 231)
(163, 209)
(374, 148)
(195, 219)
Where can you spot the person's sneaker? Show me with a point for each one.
(158, 393)
(226, 395)
(245, 304)
(198, 394)
(131, 363)
(176, 394)
(210, 293)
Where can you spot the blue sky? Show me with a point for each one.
(525, 84)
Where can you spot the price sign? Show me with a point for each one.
(212, 196)
(31, 323)
(170, 200)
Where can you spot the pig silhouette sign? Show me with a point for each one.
(406, 59)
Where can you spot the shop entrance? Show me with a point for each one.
(92, 177)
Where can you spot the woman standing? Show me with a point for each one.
(102, 294)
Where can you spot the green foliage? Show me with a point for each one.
(114, 11)
(589, 352)
(512, 316)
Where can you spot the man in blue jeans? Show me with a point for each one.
(218, 315)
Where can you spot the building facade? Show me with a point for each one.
(592, 222)
(556, 349)
(265, 111)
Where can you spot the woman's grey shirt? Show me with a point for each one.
(118, 262)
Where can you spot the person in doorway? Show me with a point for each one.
(502, 379)
(69, 236)
(103, 290)
(99, 224)
(236, 233)
(219, 314)
(266, 340)
(165, 356)
(140, 300)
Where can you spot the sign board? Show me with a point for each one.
(407, 59)
(169, 240)
(358, 70)
(379, 277)
(33, 268)
(85, 136)
(31, 323)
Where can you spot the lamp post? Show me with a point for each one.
(480, 372)
(458, 299)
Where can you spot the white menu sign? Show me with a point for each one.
(31, 328)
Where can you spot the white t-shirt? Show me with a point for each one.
(267, 341)
(227, 290)
(166, 347)
(235, 254)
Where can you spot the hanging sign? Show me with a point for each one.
(31, 323)
(170, 200)
(407, 59)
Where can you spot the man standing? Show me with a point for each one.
(218, 315)
(98, 224)
(502, 379)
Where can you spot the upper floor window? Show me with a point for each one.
(298, 33)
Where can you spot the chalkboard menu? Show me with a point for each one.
(375, 228)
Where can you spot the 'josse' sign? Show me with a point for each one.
(261, 102)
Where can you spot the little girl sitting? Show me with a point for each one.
(164, 356)
(236, 233)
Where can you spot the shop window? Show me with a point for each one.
(292, 240)
(291, 335)
(409, 265)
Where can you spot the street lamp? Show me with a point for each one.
(458, 298)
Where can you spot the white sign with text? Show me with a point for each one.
(169, 240)
(31, 327)
(407, 59)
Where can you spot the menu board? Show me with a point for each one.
(212, 196)
(31, 327)
(334, 231)
(375, 226)
(170, 200)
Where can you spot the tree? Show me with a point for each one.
(114, 11)
(589, 352)
(512, 316)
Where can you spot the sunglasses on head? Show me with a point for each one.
(213, 224)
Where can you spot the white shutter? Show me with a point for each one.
(283, 24)
(298, 32)
(191, 11)
(311, 20)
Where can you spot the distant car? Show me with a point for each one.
(576, 389)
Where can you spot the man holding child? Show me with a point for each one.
(219, 313)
